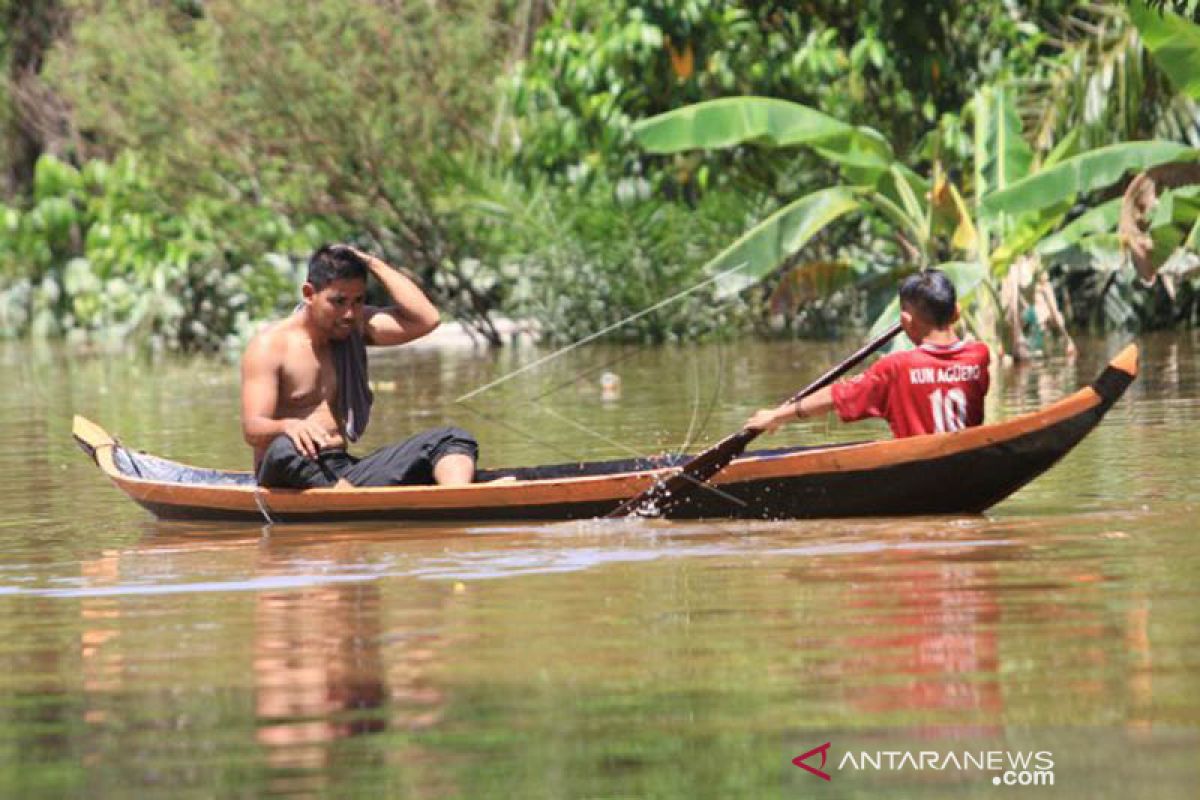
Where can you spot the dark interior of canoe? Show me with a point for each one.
(153, 468)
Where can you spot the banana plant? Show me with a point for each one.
(1011, 205)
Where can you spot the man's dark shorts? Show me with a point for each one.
(408, 462)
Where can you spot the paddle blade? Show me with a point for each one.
(666, 492)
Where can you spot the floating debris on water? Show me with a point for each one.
(610, 386)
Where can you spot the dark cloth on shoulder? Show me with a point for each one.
(410, 462)
(354, 395)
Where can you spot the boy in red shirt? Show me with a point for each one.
(937, 387)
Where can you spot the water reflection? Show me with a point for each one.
(1141, 663)
(326, 667)
(100, 618)
(931, 630)
(318, 672)
(1029, 387)
(368, 648)
(329, 668)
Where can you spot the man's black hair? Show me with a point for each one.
(931, 294)
(334, 262)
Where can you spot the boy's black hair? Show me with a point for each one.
(334, 262)
(931, 294)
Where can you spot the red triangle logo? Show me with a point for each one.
(823, 750)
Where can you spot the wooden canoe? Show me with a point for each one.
(954, 473)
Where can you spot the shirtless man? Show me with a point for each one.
(291, 413)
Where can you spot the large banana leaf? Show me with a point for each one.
(1002, 156)
(1174, 42)
(765, 246)
(862, 153)
(1176, 206)
(1024, 235)
(1073, 176)
(770, 122)
(1101, 219)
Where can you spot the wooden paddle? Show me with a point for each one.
(653, 501)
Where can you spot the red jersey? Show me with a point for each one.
(930, 389)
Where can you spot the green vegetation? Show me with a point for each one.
(98, 251)
(169, 164)
(1013, 202)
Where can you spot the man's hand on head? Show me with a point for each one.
(410, 315)
(367, 257)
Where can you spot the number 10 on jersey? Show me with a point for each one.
(949, 409)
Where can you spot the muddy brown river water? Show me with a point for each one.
(596, 659)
